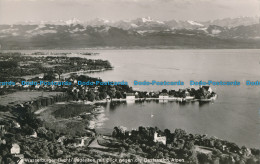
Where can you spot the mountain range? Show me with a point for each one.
(243, 32)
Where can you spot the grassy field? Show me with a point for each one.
(23, 96)
(63, 117)
(71, 110)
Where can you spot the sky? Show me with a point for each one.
(13, 11)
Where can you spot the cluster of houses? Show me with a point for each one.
(15, 150)
(77, 141)
(157, 136)
(180, 95)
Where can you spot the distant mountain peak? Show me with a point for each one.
(195, 23)
(147, 19)
(73, 21)
(148, 23)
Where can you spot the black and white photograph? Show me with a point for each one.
(129, 81)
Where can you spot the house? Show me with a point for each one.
(159, 138)
(37, 86)
(18, 84)
(40, 77)
(19, 158)
(130, 96)
(56, 76)
(15, 149)
(34, 134)
(164, 96)
(187, 93)
(26, 86)
(2, 141)
(96, 89)
(80, 142)
(16, 125)
(61, 140)
(62, 77)
(108, 98)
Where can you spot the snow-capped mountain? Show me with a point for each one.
(57, 22)
(138, 32)
(234, 22)
(147, 23)
(73, 21)
(98, 22)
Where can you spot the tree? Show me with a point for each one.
(59, 71)
(179, 133)
(91, 96)
(18, 136)
(102, 95)
(164, 91)
(118, 95)
(121, 150)
(50, 76)
(132, 151)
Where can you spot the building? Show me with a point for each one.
(19, 158)
(2, 141)
(15, 149)
(61, 139)
(164, 96)
(159, 138)
(80, 142)
(108, 98)
(40, 77)
(130, 96)
(16, 125)
(34, 134)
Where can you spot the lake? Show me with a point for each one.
(234, 116)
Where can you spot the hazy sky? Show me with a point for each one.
(12, 11)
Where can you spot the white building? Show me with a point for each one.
(19, 158)
(130, 96)
(34, 134)
(15, 149)
(80, 142)
(61, 140)
(164, 96)
(37, 86)
(158, 138)
(16, 125)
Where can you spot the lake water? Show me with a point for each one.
(234, 116)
